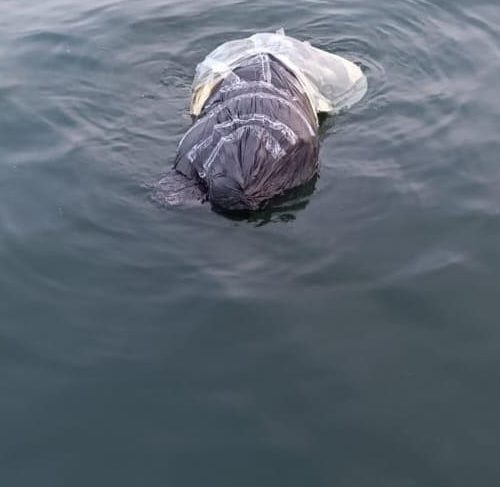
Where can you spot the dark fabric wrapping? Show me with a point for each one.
(256, 137)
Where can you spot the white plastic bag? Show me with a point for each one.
(330, 81)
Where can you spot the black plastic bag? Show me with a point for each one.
(255, 138)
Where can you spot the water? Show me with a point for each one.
(350, 339)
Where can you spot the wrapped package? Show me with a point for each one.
(255, 107)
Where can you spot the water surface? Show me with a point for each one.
(350, 339)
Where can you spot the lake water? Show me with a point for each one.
(349, 339)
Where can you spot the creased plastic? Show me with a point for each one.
(255, 138)
(331, 82)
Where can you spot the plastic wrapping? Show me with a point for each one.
(330, 81)
(255, 104)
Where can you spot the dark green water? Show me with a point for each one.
(352, 339)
